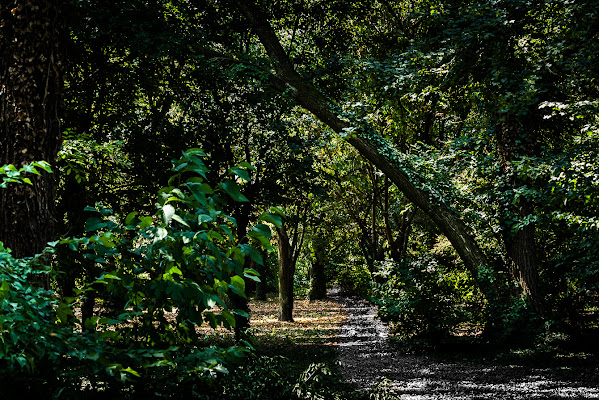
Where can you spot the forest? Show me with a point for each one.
(177, 172)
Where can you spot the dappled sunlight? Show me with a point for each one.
(314, 322)
(367, 359)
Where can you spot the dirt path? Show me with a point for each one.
(366, 357)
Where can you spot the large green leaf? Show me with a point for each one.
(232, 190)
(94, 223)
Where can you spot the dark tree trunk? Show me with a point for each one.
(31, 82)
(286, 273)
(520, 244)
(318, 284)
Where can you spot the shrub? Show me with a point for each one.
(354, 278)
(419, 298)
(171, 269)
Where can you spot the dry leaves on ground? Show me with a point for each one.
(314, 322)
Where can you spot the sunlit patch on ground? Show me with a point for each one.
(314, 322)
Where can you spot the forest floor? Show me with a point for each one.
(344, 333)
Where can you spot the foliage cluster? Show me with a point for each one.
(171, 272)
(423, 300)
(354, 278)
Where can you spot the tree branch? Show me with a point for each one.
(370, 145)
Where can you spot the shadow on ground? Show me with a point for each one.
(367, 358)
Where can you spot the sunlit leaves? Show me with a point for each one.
(10, 174)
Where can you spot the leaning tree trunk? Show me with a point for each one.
(370, 145)
(31, 82)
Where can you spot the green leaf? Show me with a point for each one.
(243, 174)
(180, 220)
(194, 151)
(238, 286)
(274, 219)
(238, 282)
(198, 192)
(130, 219)
(132, 372)
(226, 316)
(277, 210)
(160, 234)
(43, 165)
(241, 313)
(30, 168)
(168, 212)
(203, 218)
(247, 165)
(252, 274)
(94, 223)
(232, 190)
(263, 230)
(174, 270)
(106, 241)
(145, 222)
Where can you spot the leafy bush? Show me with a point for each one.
(13, 175)
(354, 278)
(175, 271)
(383, 391)
(258, 377)
(419, 298)
(315, 383)
(35, 336)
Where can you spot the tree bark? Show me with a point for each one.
(318, 284)
(286, 273)
(31, 83)
(520, 243)
(370, 145)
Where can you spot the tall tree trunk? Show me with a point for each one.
(520, 244)
(318, 284)
(242, 216)
(31, 82)
(370, 145)
(286, 273)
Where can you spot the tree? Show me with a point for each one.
(477, 68)
(370, 145)
(289, 251)
(32, 36)
(319, 259)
